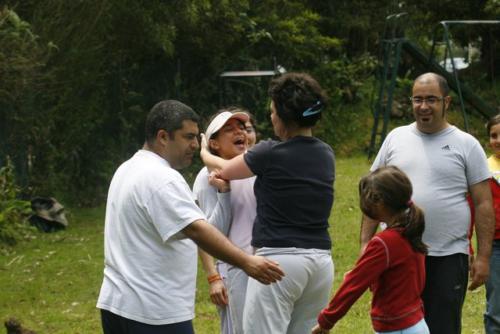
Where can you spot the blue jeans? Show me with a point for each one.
(492, 314)
(419, 328)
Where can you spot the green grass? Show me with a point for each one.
(52, 282)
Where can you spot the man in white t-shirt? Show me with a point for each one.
(443, 164)
(151, 227)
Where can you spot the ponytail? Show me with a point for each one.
(413, 223)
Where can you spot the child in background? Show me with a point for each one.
(393, 263)
(492, 314)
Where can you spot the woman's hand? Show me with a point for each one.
(203, 142)
(214, 179)
(318, 330)
(218, 293)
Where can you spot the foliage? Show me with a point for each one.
(77, 78)
(13, 211)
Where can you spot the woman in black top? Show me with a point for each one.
(294, 191)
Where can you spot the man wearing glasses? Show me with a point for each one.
(444, 164)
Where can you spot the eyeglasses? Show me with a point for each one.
(430, 100)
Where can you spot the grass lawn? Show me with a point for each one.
(52, 282)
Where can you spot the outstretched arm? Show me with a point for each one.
(372, 263)
(484, 219)
(216, 244)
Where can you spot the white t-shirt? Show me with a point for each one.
(216, 205)
(233, 213)
(244, 210)
(441, 166)
(150, 268)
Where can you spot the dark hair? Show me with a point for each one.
(391, 187)
(252, 119)
(443, 84)
(168, 115)
(293, 94)
(492, 121)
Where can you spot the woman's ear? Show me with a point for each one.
(213, 145)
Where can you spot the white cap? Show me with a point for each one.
(221, 119)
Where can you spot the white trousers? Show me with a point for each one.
(231, 316)
(292, 305)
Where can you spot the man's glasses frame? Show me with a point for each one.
(430, 100)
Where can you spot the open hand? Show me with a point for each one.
(203, 142)
(263, 270)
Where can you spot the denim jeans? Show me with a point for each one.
(419, 328)
(492, 314)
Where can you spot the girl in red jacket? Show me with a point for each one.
(393, 263)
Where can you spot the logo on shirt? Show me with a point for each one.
(446, 147)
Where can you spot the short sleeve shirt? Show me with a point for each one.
(150, 267)
(294, 191)
(441, 166)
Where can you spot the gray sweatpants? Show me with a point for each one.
(292, 305)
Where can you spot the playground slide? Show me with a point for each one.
(475, 101)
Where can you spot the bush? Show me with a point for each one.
(13, 211)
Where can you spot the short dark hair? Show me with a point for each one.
(492, 121)
(293, 94)
(443, 84)
(168, 115)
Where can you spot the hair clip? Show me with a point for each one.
(315, 109)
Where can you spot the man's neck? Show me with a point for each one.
(435, 130)
(152, 148)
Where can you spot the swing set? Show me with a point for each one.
(394, 44)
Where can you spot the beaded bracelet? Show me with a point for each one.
(214, 278)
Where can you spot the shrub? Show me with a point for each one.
(13, 211)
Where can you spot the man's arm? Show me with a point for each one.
(368, 229)
(215, 243)
(484, 219)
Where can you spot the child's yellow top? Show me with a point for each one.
(494, 166)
